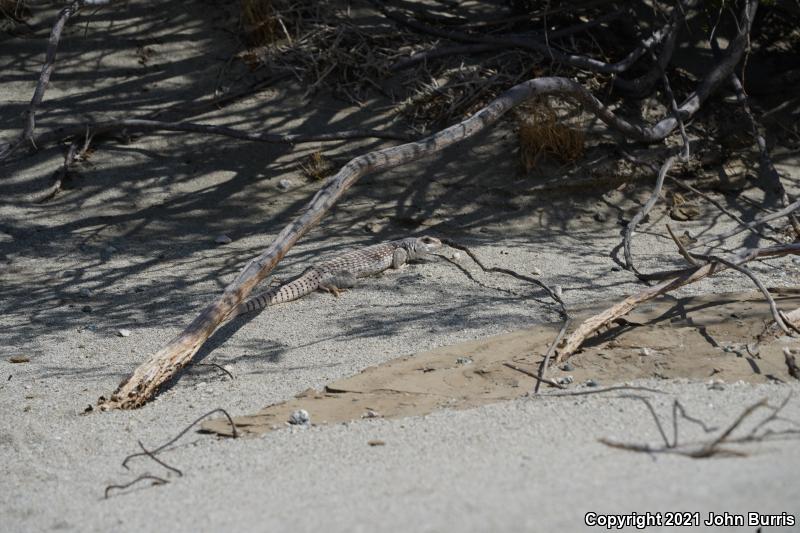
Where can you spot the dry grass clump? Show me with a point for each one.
(543, 133)
(317, 167)
(258, 22)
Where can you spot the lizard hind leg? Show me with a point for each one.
(336, 282)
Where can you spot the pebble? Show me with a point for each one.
(124, 332)
(370, 414)
(285, 184)
(558, 290)
(84, 292)
(536, 272)
(300, 418)
(372, 227)
(223, 239)
(566, 380)
(716, 384)
(646, 352)
(600, 216)
(19, 359)
(456, 256)
(463, 361)
(615, 268)
(590, 383)
(376, 442)
(566, 367)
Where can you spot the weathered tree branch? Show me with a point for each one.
(47, 70)
(690, 275)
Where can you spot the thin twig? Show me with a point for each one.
(722, 208)
(181, 434)
(156, 481)
(534, 376)
(152, 456)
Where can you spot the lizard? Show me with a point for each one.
(341, 272)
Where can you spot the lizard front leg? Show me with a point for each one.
(399, 258)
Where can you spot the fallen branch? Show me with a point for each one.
(132, 125)
(687, 276)
(47, 70)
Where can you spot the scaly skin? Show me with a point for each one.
(341, 272)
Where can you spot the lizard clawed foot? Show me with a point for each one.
(336, 291)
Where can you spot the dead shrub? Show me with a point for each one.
(260, 22)
(317, 167)
(543, 133)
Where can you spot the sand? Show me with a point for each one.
(131, 245)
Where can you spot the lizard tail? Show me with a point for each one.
(287, 292)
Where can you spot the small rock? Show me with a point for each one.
(647, 352)
(223, 239)
(86, 309)
(285, 184)
(565, 380)
(370, 414)
(463, 361)
(558, 290)
(590, 383)
(300, 418)
(536, 272)
(716, 384)
(19, 359)
(615, 268)
(84, 292)
(372, 227)
(456, 256)
(376, 442)
(124, 332)
(600, 216)
(566, 367)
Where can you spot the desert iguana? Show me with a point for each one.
(341, 272)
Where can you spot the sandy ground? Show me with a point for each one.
(130, 244)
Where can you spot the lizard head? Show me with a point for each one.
(419, 247)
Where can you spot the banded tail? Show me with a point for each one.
(307, 283)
